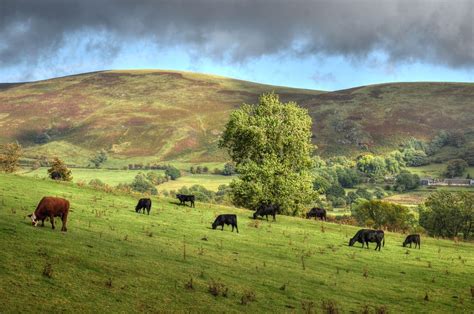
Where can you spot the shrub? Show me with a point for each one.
(229, 169)
(455, 168)
(141, 184)
(200, 192)
(59, 170)
(172, 172)
(9, 157)
(406, 181)
(448, 214)
(382, 214)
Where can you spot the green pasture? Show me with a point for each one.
(115, 260)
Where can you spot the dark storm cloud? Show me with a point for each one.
(438, 32)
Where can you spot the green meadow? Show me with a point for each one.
(115, 260)
(115, 177)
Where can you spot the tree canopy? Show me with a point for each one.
(270, 143)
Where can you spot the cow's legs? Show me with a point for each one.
(410, 245)
(52, 221)
(232, 228)
(274, 217)
(267, 217)
(64, 220)
(222, 227)
(42, 222)
(236, 228)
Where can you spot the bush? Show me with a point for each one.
(172, 172)
(406, 181)
(141, 184)
(201, 193)
(415, 158)
(59, 171)
(363, 193)
(347, 177)
(9, 157)
(455, 168)
(229, 169)
(380, 214)
(448, 214)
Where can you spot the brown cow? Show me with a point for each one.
(51, 207)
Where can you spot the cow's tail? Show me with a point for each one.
(383, 242)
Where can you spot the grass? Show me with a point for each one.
(418, 196)
(209, 181)
(436, 171)
(112, 259)
(114, 177)
(110, 177)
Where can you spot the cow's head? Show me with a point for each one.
(255, 215)
(34, 220)
(352, 241)
(214, 225)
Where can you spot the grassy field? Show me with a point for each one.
(114, 260)
(148, 116)
(114, 177)
(110, 177)
(418, 196)
(209, 181)
(435, 171)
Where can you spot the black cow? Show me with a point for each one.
(413, 238)
(183, 198)
(143, 203)
(266, 209)
(228, 219)
(317, 213)
(368, 235)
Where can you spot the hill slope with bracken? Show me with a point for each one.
(168, 115)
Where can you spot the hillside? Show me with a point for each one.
(142, 116)
(162, 114)
(112, 259)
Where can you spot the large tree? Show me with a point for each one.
(270, 143)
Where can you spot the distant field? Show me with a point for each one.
(110, 177)
(210, 182)
(114, 177)
(435, 170)
(414, 198)
(114, 260)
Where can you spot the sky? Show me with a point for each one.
(325, 45)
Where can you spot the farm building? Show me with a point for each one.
(446, 182)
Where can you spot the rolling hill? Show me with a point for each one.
(166, 115)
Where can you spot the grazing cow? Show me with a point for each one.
(316, 213)
(183, 198)
(228, 219)
(143, 203)
(368, 235)
(51, 207)
(413, 238)
(266, 209)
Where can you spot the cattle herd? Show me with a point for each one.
(51, 207)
